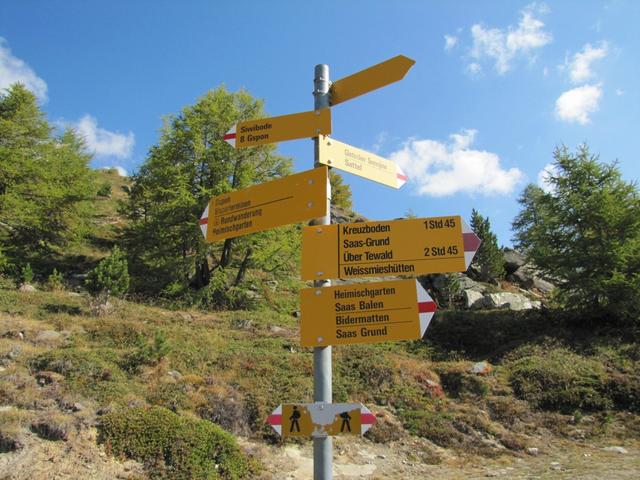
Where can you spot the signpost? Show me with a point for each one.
(372, 78)
(321, 419)
(365, 313)
(398, 247)
(278, 129)
(287, 200)
(360, 162)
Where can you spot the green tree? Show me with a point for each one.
(45, 181)
(190, 164)
(340, 191)
(585, 232)
(489, 257)
(110, 277)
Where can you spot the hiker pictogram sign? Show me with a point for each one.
(321, 419)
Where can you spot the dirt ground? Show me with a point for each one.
(410, 458)
(360, 459)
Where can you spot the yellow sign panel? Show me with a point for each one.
(370, 79)
(360, 162)
(277, 129)
(287, 200)
(306, 420)
(375, 249)
(364, 313)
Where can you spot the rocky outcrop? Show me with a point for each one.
(512, 301)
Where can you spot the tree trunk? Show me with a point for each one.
(243, 267)
(225, 258)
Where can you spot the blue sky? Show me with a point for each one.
(497, 85)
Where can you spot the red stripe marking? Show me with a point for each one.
(471, 242)
(402, 177)
(229, 136)
(274, 419)
(367, 418)
(426, 307)
(204, 221)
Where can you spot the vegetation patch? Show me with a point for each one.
(174, 447)
(555, 378)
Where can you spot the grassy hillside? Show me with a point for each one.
(545, 378)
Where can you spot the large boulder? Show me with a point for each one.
(473, 299)
(513, 260)
(512, 301)
(528, 277)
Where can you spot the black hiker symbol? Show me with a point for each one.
(346, 419)
(294, 419)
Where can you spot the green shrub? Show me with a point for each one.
(104, 190)
(27, 273)
(174, 447)
(147, 353)
(557, 379)
(110, 277)
(54, 281)
(220, 296)
(463, 384)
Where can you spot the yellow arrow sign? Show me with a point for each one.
(278, 129)
(370, 79)
(399, 247)
(287, 200)
(360, 162)
(364, 313)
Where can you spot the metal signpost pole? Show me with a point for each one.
(322, 378)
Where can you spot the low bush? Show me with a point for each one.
(557, 379)
(174, 447)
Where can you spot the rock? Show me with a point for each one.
(176, 375)
(513, 261)
(48, 378)
(473, 299)
(6, 408)
(533, 451)
(481, 368)
(296, 314)
(48, 336)
(434, 389)
(616, 449)
(512, 301)
(77, 407)
(14, 353)
(25, 287)
(542, 285)
(277, 330)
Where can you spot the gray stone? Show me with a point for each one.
(616, 449)
(513, 261)
(48, 336)
(25, 287)
(481, 368)
(473, 299)
(512, 301)
(533, 451)
(543, 285)
(176, 375)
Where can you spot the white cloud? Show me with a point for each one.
(439, 169)
(580, 66)
(121, 171)
(103, 142)
(474, 68)
(14, 70)
(577, 104)
(549, 170)
(619, 92)
(503, 46)
(450, 41)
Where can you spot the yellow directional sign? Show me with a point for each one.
(321, 419)
(287, 200)
(399, 247)
(360, 162)
(364, 313)
(279, 129)
(370, 79)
